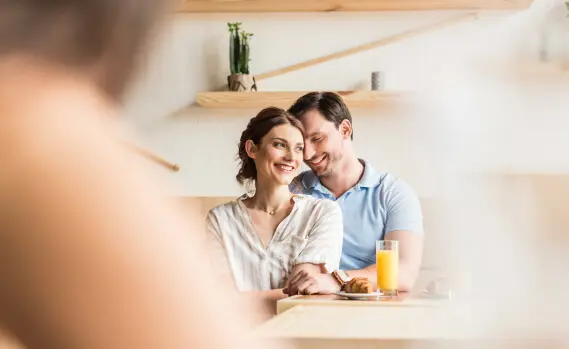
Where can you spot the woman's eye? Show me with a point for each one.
(299, 148)
(279, 145)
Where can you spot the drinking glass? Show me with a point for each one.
(387, 265)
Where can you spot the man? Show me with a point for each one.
(375, 205)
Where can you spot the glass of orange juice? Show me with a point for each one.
(387, 265)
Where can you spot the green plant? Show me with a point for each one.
(238, 49)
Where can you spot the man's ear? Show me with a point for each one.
(346, 129)
(251, 149)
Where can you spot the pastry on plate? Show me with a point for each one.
(359, 285)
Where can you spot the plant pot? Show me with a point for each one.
(241, 83)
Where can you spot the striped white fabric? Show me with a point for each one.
(312, 233)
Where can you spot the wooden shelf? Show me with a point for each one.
(285, 99)
(221, 6)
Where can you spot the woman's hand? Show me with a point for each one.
(305, 282)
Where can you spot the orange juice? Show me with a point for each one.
(387, 270)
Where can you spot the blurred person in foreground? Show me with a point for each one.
(91, 256)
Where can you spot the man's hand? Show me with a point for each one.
(311, 283)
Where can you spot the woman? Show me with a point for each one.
(262, 240)
(91, 254)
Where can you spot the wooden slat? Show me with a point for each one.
(152, 156)
(286, 98)
(221, 6)
(365, 47)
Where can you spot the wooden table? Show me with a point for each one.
(403, 300)
(360, 327)
(317, 326)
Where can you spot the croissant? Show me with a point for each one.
(359, 285)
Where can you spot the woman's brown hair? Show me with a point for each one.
(105, 36)
(256, 129)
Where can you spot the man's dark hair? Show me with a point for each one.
(329, 104)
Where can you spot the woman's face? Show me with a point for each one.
(279, 155)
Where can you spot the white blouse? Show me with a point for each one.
(311, 233)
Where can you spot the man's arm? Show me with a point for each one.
(410, 256)
(404, 222)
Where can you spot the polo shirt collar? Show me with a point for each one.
(371, 178)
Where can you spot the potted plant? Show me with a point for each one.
(240, 78)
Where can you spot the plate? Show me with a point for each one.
(360, 296)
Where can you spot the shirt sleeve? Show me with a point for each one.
(296, 186)
(324, 244)
(403, 209)
(217, 254)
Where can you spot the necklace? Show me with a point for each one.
(272, 212)
(269, 212)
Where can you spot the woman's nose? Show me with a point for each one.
(289, 154)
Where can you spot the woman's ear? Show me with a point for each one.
(251, 149)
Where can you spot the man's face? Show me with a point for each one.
(323, 144)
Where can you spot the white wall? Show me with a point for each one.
(191, 56)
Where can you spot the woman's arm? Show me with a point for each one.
(261, 303)
(324, 247)
(323, 251)
(410, 257)
(267, 300)
(217, 255)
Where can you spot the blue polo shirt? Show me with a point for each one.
(378, 204)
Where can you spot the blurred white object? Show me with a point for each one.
(505, 110)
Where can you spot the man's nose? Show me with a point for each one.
(309, 151)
